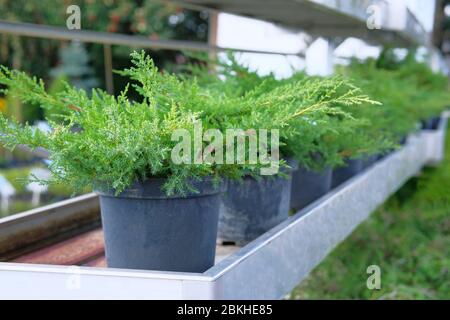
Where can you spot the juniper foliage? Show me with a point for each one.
(112, 142)
(323, 132)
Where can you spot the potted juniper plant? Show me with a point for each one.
(410, 91)
(395, 120)
(317, 154)
(357, 143)
(337, 138)
(252, 122)
(301, 108)
(157, 213)
(429, 92)
(312, 108)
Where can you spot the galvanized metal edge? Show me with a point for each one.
(54, 208)
(436, 145)
(22, 281)
(272, 265)
(29, 229)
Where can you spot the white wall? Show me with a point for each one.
(423, 10)
(245, 33)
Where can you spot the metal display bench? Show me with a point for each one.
(270, 266)
(267, 268)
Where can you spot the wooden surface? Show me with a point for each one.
(87, 249)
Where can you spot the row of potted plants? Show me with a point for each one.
(315, 144)
(338, 148)
(158, 163)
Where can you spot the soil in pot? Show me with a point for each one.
(252, 207)
(145, 229)
(308, 186)
(342, 174)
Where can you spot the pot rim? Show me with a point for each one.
(152, 189)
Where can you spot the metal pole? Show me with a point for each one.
(212, 33)
(108, 68)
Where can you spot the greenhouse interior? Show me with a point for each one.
(284, 150)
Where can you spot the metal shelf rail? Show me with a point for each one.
(267, 268)
(107, 38)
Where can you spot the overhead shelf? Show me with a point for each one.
(328, 18)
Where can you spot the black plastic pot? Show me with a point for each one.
(435, 123)
(145, 229)
(308, 186)
(252, 207)
(431, 123)
(426, 124)
(342, 174)
(403, 140)
(369, 161)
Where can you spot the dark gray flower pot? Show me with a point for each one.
(342, 174)
(145, 229)
(252, 207)
(381, 156)
(427, 124)
(369, 161)
(435, 123)
(403, 140)
(308, 186)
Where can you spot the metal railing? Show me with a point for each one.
(107, 38)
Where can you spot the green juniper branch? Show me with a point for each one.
(118, 141)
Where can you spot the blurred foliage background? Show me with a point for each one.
(80, 64)
(45, 58)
